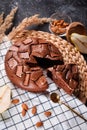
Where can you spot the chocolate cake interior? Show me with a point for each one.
(65, 76)
(46, 63)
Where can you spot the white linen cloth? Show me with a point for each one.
(61, 119)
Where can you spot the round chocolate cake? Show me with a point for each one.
(25, 61)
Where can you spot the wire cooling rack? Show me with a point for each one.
(61, 119)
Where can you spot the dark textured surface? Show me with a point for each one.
(77, 9)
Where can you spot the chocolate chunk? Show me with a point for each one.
(24, 55)
(13, 48)
(35, 41)
(36, 74)
(41, 81)
(53, 49)
(26, 80)
(23, 48)
(54, 53)
(40, 50)
(12, 63)
(32, 60)
(26, 69)
(18, 43)
(36, 68)
(27, 41)
(19, 71)
(16, 57)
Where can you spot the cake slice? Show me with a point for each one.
(65, 76)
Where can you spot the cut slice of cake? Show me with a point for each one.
(65, 76)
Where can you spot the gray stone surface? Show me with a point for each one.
(77, 9)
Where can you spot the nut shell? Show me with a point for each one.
(75, 27)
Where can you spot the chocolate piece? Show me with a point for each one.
(23, 48)
(41, 81)
(26, 69)
(35, 68)
(32, 60)
(35, 41)
(13, 48)
(54, 53)
(18, 43)
(27, 41)
(35, 75)
(19, 71)
(16, 57)
(40, 50)
(12, 63)
(24, 55)
(27, 57)
(63, 76)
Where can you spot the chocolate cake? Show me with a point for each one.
(65, 76)
(25, 61)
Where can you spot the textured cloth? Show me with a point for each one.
(61, 119)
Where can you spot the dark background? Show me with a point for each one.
(77, 9)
